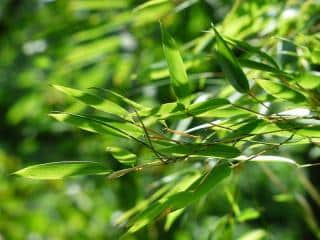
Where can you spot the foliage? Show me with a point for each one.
(199, 128)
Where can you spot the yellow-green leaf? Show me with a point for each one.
(122, 155)
(179, 79)
(94, 101)
(281, 91)
(58, 170)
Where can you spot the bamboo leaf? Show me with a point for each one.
(311, 132)
(58, 170)
(182, 199)
(269, 159)
(210, 150)
(246, 128)
(179, 79)
(244, 46)
(106, 93)
(281, 91)
(149, 4)
(94, 101)
(230, 65)
(254, 235)
(258, 66)
(202, 107)
(122, 155)
(178, 111)
(100, 125)
(308, 80)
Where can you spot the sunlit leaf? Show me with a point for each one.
(182, 199)
(179, 79)
(248, 214)
(269, 159)
(97, 125)
(151, 11)
(107, 93)
(308, 80)
(246, 129)
(94, 101)
(311, 132)
(98, 5)
(281, 91)
(122, 155)
(149, 4)
(254, 235)
(58, 170)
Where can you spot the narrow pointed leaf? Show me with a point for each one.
(281, 91)
(213, 150)
(258, 65)
(269, 159)
(178, 74)
(94, 101)
(244, 46)
(230, 65)
(118, 97)
(178, 111)
(99, 125)
(182, 199)
(149, 4)
(122, 155)
(58, 170)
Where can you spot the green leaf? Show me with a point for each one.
(202, 107)
(178, 111)
(311, 132)
(258, 66)
(253, 50)
(151, 11)
(171, 218)
(118, 97)
(164, 111)
(149, 4)
(147, 216)
(308, 80)
(179, 79)
(94, 101)
(58, 170)
(245, 129)
(248, 214)
(208, 150)
(230, 65)
(254, 235)
(97, 5)
(269, 159)
(281, 91)
(122, 155)
(182, 199)
(100, 125)
(209, 180)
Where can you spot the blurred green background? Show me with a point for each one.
(82, 43)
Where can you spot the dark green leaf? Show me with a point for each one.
(230, 65)
(210, 150)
